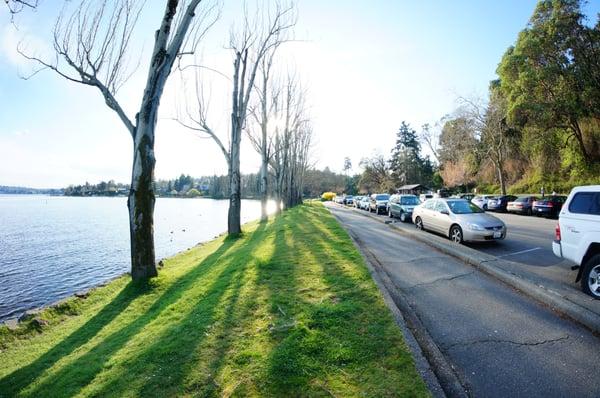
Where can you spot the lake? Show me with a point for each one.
(54, 246)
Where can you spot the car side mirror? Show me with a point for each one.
(446, 212)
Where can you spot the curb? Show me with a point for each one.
(431, 364)
(483, 262)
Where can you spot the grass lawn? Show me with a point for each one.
(288, 309)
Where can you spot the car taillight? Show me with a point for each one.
(518, 205)
(550, 204)
(557, 232)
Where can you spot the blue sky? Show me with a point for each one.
(367, 66)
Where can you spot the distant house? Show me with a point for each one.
(413, 189)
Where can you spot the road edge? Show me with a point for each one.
(485, 263)
(436, 371)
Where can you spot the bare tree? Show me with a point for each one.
(16, 6)
(267, 108)
(255, 41)
(292, 147)
(92, 48)
(495, 136)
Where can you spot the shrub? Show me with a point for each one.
(328, 196)
(192, 193)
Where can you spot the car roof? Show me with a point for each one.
(586, 188)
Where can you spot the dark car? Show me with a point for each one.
(402, 206)
(348, 200)
(548, 207)
(378, 202)
(500, 203)
(466, 196)
(522, 205)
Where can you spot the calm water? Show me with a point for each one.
(52, 247)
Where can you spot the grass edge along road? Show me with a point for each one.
(287, 309)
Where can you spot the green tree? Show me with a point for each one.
(550, 77)
(406, 164)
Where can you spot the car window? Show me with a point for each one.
(463, 207)
(440, 206)
(585, 203)
(429, 204)
(410, 200)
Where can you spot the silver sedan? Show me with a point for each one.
(458, 219)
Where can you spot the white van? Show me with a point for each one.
(578, 236)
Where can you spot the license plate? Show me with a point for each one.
(498, 234)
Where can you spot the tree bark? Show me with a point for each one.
(141, 206)
(264, 181)
(234, 226)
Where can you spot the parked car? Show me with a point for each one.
(365, 203)
(549, 207)
(522, 205)
(356, 201)
(578, 236)
(500, 203)
(402, 206)
(378, 202)
(466, 196)
(458, 219)
(348, 200)
(339, 199)
(481, 201)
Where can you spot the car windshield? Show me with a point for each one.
(521, 199)
(463, 207)
(382, 197)
(410, 200)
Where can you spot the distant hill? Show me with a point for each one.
(29, 191)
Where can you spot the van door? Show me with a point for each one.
(578, 221)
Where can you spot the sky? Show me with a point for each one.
(366, 67)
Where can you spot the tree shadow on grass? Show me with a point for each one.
(196, 344)
(341, 335)
(71, 378)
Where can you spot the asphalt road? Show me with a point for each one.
(528, 245)
(500, 342)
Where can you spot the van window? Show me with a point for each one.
(585, 203)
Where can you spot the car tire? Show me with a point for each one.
(485, 207)
(402, 216)
(419, 223)
(456, 234)
(590, 277)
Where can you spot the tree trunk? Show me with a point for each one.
(579, 137)
(264, 175)
(234, 226)
(501, 178)
(141, 206)
(264, 189)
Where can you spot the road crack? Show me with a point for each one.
(500, 341)
(443, 279)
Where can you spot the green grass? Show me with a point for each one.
(287, 309)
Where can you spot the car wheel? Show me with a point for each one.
(485, 208)
(402, 216)
(419, 223)
(590, 278)
(390, 213)
(456, 234)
